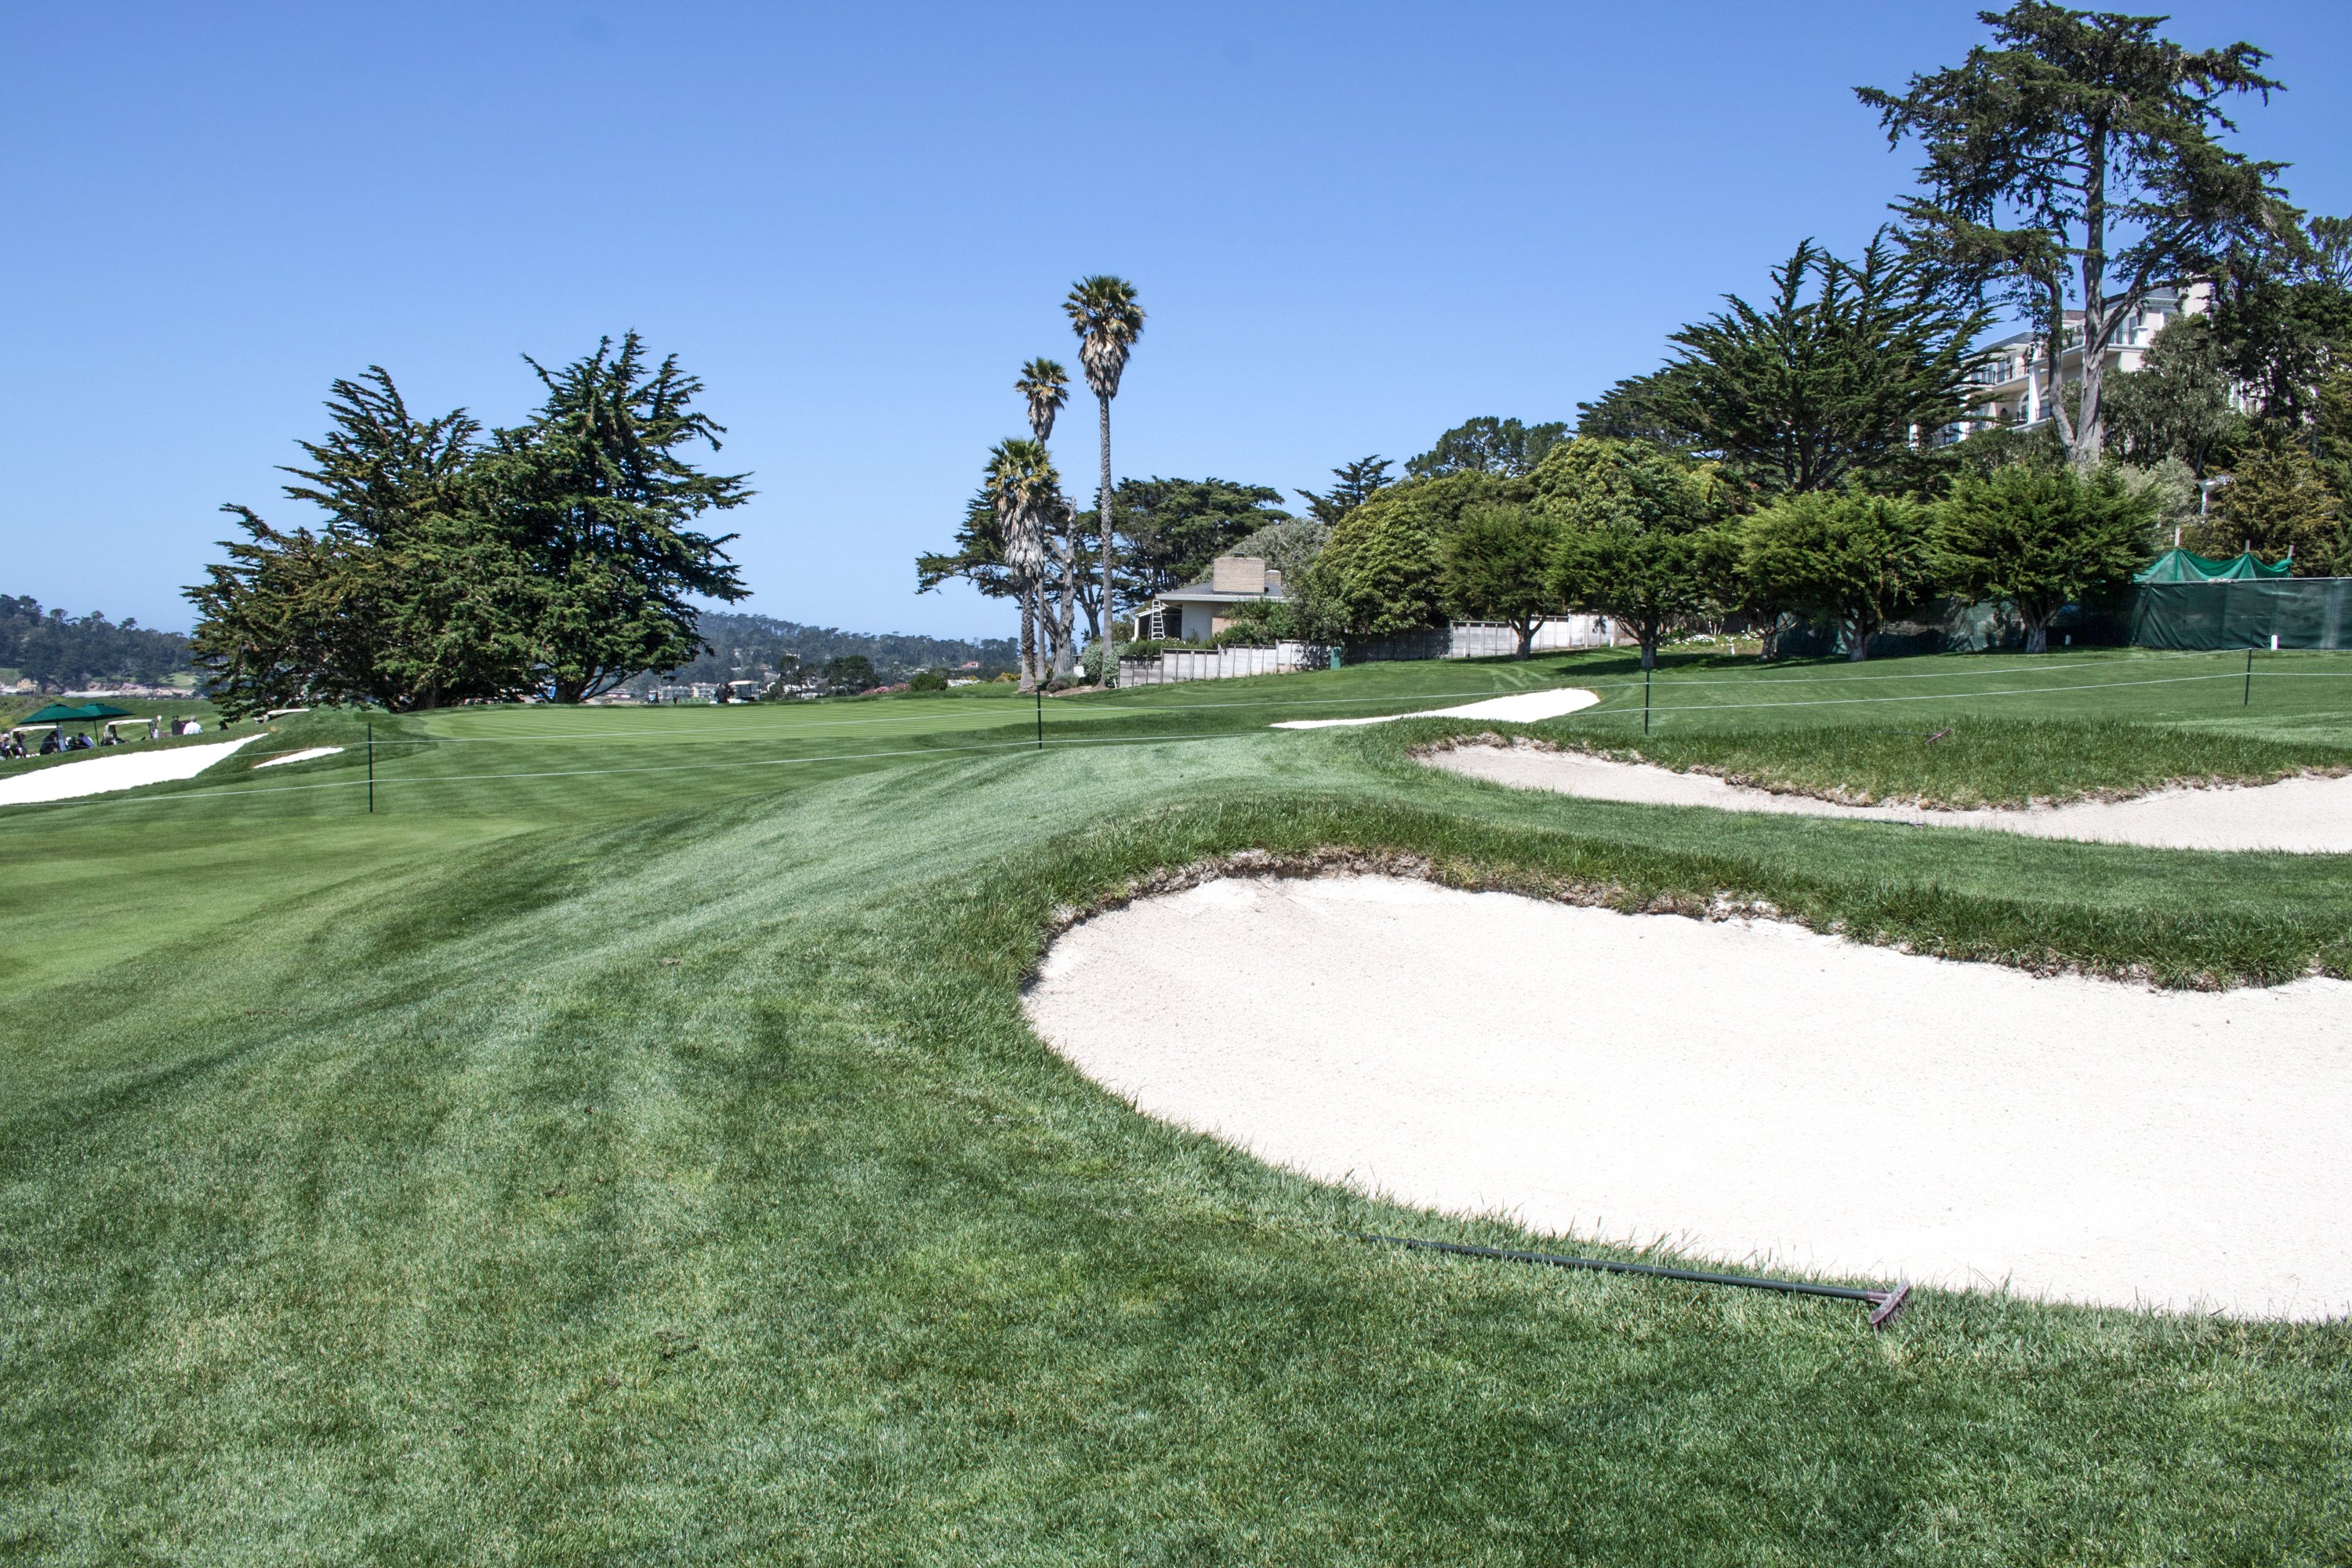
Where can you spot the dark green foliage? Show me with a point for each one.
(2177, 404)
(2282, 323)
(597, 491)
(412, 595)
(1495, 565)
(1636, 526)
(850, 672)
(2001, 445)
(1854, 558)
(2081, 140)
(2278, 503)
(1379, 574)
(927, 680)
(558, 559)
(57, 650)
(1486, 445)
(978, 557)
(1642, 408)
(1353, 485)
(1174, 528)
(2040, 540)
(1828, 382)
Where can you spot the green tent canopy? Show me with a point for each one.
(70, 713)
(2177, 566)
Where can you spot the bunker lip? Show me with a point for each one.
(2310, 814)
(1741, 1091)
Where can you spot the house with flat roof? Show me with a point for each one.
(1199, 611)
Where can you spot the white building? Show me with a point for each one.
(2012, 388)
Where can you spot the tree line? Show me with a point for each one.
(1821, 452)
(555, 557)
(57, 651)
(740, 646)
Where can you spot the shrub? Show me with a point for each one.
(1639, 529)
(1857, 559)
(2040, 539)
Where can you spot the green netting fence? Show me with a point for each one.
(2299, 612)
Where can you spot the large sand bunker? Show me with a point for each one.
(104, 775)
(2305, 815)
(1749, 1093)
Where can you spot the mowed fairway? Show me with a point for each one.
(627, 1145)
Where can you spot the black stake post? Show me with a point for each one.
(1041, 717)
(1883, 1304)
(1645, 699)
(2248, 700)
(371, 767)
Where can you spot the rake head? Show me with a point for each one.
(1886, 1306)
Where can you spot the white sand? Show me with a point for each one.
(301, 756)
(1753, 1093)
(2305, 815)
(1520, 707)
(105, 772)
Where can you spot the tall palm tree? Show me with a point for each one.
(1103, 314)
(1045, 387)
(1023, 487)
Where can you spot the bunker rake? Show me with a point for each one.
(1885, 1305)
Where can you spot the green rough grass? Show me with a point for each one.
(1961, 761)
(570, 1166)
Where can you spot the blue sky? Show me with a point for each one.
(1352, 225)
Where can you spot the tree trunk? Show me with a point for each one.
(2090, 426)
(2037, 635)
(1109, 606)
(1028, 638)
(1649, 639)
(1527, 631)
(1065, 652)
(1857, 645)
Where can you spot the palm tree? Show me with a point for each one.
(1045, 387)
(1023, 487)
(1103, 314)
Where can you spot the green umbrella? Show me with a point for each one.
(68, 713)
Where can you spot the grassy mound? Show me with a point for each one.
(1962, 761)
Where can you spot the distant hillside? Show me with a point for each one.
(745, 644)
(60, 651)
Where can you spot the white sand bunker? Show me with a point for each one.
(1750, 1092)
(306, 754)
(1520, 707)
(123, 770)
(2305, 815)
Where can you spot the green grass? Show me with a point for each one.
(1971, 762)
(626, 1145)
(1980, 731)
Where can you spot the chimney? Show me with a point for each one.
(1237, 574)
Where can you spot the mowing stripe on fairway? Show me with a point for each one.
(381, 780)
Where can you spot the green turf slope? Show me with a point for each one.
(629, 1148)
